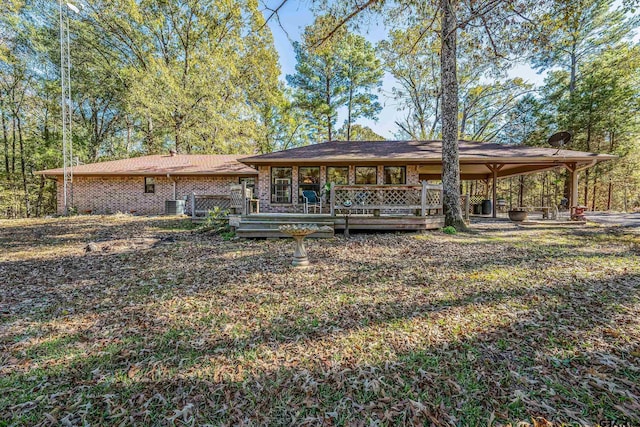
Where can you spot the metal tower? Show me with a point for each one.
(65, 78)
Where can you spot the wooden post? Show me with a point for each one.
(573, 189)
(494, 168)
(245, 202)
(423, 199)
(332, 200)
(193, 205)
(495, 190)
(441, 200)
(574, 186)
(466, 207)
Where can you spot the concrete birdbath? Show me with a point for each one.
(299, 232)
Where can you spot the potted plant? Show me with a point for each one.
(517, 214)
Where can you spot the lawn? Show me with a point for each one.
(163, 325)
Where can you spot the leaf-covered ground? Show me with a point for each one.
(165, 326)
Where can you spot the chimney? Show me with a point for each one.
(172, 152)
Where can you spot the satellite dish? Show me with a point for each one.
(559, 140)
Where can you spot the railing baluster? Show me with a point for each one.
(193, 205)
(423, 199)
(332, 199)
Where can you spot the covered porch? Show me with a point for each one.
(490, 172)
(356, 207)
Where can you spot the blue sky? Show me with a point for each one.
(295, 15)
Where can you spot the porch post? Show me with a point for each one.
(466, 207)
(423, 199)
(495, 189)
(574, 186)
(245, 201)
(193, 205)
(332, 200)
(573, 192)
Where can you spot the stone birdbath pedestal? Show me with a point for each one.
(299, 232)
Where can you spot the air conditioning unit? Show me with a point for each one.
(174, 207)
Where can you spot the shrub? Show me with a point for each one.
(449, 230)
(217, 221)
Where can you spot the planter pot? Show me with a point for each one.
(517, 215)
(487, 207)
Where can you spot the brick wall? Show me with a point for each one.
(264, 193)
(105, 195)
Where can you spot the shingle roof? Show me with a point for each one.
(179, 164)
(415, 152)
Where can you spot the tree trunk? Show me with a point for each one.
(13, 146)
(23, 168)
(450, 155)
(521, 191)
(463, 121)
(328, 98)
(177, 139)
(5, 137)
(574, 66)
(586, 171)
(611, 147)
(40, 196)
(595, 189)
(349, 107)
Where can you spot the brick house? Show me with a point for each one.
(141, 185)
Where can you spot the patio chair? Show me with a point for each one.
(360, 200)
(311, 199)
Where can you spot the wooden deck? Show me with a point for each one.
(266, 225)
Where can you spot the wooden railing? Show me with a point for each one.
(201, 204)
(238, 201)
(396, 199)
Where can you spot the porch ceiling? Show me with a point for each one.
(469, 171)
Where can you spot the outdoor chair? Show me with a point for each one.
(360, 200)
(311, 199)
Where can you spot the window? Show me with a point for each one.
(281, 184)
(395, 175)
(308, 179)
(338, 175)
(251, 183)
(149, 184)
(366, 175)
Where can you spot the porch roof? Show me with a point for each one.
(476, 158)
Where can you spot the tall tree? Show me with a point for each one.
(568, 32)
(319, 80)
(362, 74)
(413, 61)
(335, 73)
(192, 69)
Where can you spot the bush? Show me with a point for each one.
(449, 230)
(217, 221)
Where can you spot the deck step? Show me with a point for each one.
(271, 232)
(246, 225)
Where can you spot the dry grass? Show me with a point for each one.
(164, 326)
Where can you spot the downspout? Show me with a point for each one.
(175, 191)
